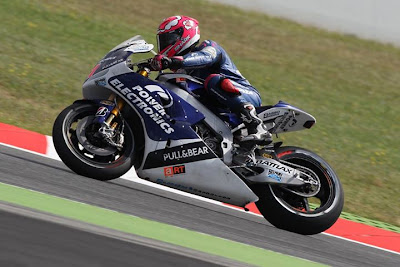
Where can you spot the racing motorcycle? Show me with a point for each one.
(163, 127)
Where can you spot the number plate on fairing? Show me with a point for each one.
(286, 118)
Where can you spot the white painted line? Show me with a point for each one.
(50, 150)
(132, 176)
(361, 243)
(29, 151)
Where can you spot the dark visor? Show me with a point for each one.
(166, 39)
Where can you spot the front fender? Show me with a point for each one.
(84, 101)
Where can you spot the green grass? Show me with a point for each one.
(351, 86)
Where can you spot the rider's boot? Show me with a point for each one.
(257, 132)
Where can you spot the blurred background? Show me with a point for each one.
(370, 19)
(351, 85)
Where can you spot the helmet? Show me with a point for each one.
(177, 35)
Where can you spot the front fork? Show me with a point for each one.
(118, 104)
(109, 110)
(106, 113)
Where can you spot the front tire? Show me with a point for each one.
(74, 141)
(304, 214)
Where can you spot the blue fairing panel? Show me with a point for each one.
(166, 115)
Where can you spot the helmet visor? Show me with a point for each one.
(167, 39)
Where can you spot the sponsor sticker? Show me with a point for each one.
(180, 79)
(277, 176)
(101, 112)
(173, 170)
(101, 82)
(271, 114)
(115, 62)
(145, 102)
(179, 155)
(186, 153)
(285, 121)
(184, 40)
(275, 165)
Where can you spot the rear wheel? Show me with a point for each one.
(308, 209)
(78, 144)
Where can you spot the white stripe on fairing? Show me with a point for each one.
(132, 176)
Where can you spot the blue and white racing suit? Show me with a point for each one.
(209, 61)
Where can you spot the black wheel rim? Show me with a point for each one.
(115, 157)
(307, 206)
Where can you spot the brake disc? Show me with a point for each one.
(83, 140)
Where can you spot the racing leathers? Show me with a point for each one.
(224, 83)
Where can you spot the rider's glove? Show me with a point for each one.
(161, 62)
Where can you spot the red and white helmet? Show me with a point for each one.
(177, 34)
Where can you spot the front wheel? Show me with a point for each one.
(83, 151)
(307, 209)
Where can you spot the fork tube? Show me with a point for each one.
(111, 97)
(114, 112)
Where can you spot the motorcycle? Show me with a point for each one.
(163, 128)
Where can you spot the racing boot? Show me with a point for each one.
(257, 132)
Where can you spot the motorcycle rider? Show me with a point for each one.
(177, 39)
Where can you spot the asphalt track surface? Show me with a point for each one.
(42, 240)
(50, 176)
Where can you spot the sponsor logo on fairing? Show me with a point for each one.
(171, 171)
(275, 165)
(275, 175)
(286, 120)
(281, 119)
(179, 155)
(145, 102)
(186, 153)
(271, 114)
(107, 59)
(165, 96)
(101, 82)
(115, 62)
(101, 112)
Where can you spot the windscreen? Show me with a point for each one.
(129, 42)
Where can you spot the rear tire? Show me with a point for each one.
(92, 159)
(304, 215)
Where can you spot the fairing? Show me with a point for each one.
(174, 155)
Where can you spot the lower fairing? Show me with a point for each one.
(209, 178)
